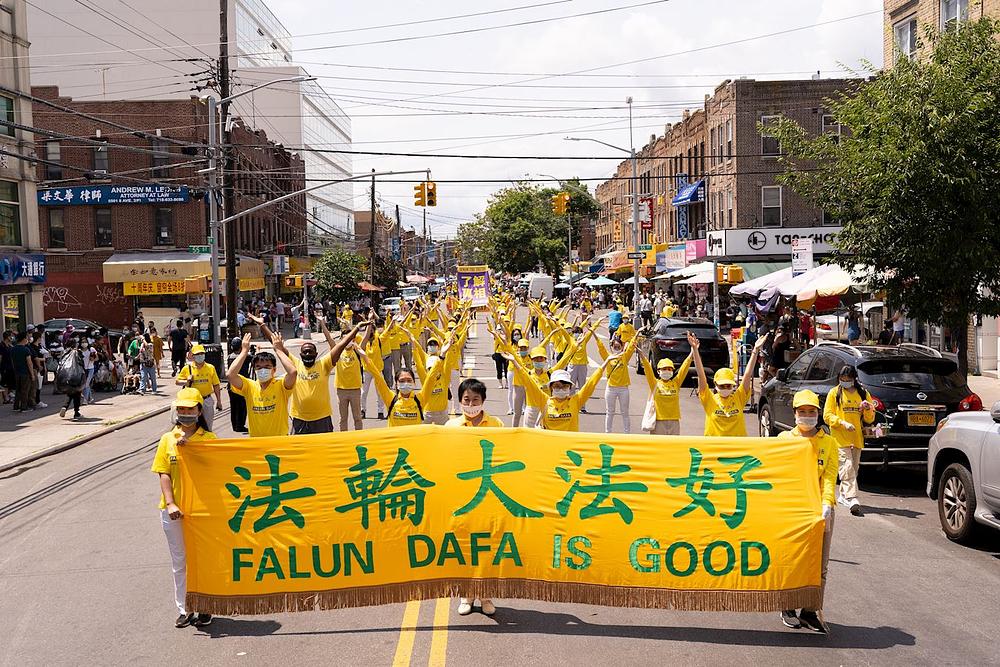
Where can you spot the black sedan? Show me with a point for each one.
(668, 338)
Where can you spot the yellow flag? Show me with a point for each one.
(388, 515)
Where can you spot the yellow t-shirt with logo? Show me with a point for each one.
(205, 378)
(626, 331)
(847, 411)
(348, 370)
(168, 456)
(311, 393)
(724, 416)
(267, 407)
(489, 421)
(827, 459)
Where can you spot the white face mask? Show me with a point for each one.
(406, 387)
(264, 374)
(726, 392)
(666, 375)
(432, 349)
(847, 384)
(808, 423)
(561, 393)
(199, 358)
(472, 411)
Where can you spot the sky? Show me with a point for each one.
(520, 90)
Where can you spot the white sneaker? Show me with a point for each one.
(62, 412)
(464, 607)
(488, 607)
(42, 405)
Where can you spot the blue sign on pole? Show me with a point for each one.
(395, 248)
(105, 195)
(22, 269)
(682, 211)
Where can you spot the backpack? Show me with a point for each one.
(146, 357)
(416, 400)
(69, 373)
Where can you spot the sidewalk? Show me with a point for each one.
(987, 388)
(43, 430)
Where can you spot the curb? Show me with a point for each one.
(62, 447)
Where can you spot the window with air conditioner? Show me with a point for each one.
(769, 146)
(161, 159)
(164, 226)
(770, 204)
(101, 160)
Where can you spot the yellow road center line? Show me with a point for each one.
(439, 638)
(407, 633)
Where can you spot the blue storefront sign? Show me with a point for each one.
(22, 269)
(396, 254)
(105, 195)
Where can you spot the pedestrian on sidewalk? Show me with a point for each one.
(147, 365)
(157, 348)
(7, 379)
(178, 342)
(190, 427)
(205, 379)
(89, 355)
(70, 378)
(24, 373)
(39, 354)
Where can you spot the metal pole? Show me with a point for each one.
(213, 218)
(569, 243)
(399, 242)
(635, 240)
(715, 292)
(371, 235)
(227, 176)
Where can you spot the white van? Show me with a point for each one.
(538, 285)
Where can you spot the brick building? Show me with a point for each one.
(905, 21)
(108, 147)
(362, 232)
(730, 166)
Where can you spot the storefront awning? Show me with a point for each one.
(127, 267)
(690, 194)
(753, 270)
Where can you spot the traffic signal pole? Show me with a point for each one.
(371, 235)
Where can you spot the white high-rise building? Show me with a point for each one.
(149, 49)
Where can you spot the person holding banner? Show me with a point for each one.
(724, 405)
(806, 406)
(190, 426)
(267, 398)
(405, 404)
(664, 391)
(619, 379)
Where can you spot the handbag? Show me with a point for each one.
(649, 416)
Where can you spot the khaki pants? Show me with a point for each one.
(349, 398)
(850, 460)
(436, 417)
(519, 399)
(827, 539)
(667, 427)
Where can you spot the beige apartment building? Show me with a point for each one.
(906, 20)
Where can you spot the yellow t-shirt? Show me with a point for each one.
(562, 414)
(626, 331)
(405, 411)
(311, 393)
(168, 456)
(205, 378)
(374, 350)
(267, 408)
(848, 411)
(489, 421)
(348, 370)
(827, 458)
(724, 416)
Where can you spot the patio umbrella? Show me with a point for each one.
(561, 286)
(417, 279)
(602, 281)
(631, 281)
(825, 291)
(752, 288)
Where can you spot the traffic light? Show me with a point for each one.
(420, 194)
(432, 193)
(560, 202)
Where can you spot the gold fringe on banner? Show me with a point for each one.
(546, 591)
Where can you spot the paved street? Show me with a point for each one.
(84, 571)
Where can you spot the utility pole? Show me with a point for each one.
(425, 244)
(229, 198)
(399, 243)
(371, 234)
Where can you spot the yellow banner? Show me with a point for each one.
(153, 287)
(251, 284)
(388, 515)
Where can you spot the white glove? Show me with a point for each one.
(849, 427)
(827, 511)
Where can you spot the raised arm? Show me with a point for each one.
(533, 390)
(649, 372)
(384, 392)
(702, 380)
(282, 354)
(591, 384)
(747, 381)
(345, 340)
(233, 372)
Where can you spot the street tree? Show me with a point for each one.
(473, 241)
(387, 272)
(338, 273)
(914, 177)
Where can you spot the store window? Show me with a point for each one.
(102, 228)
(10, 214)
(770, 203)
(7, 114)
(164, 226)
(14, 312)
(57, 228)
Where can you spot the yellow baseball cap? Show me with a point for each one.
(188, 397)
(665, 362)
(523, 343)
(197, 348)
(805, 397)
(538, 352)
(724, 376)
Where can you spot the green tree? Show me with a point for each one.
(473, 240)
(915, 177)
(338, 273)
(387, 272)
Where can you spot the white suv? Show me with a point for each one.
(963, 472)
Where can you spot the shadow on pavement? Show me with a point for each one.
(239, 627)
(892, 511)
(509, 620)
(21, 470)
(898, 482)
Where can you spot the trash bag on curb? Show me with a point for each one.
(69, 373)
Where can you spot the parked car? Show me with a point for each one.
(389, 305)
(834, 325)
(55, 327)
(668, 338)
(913, 387)
(963, 472)
(410, 293)
(537, 285)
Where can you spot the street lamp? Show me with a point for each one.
(635, 208)
(213, 184)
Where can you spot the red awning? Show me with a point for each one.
(368, 287)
